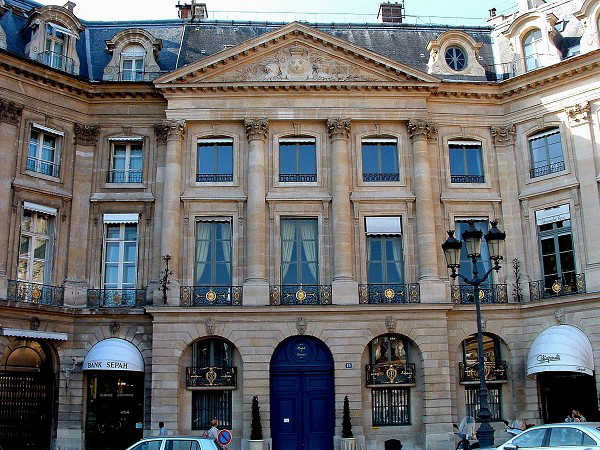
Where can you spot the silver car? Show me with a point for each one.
(174, 443)
(557, 436)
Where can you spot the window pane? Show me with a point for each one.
(307, 159)
(370, 158)
(33, 143)
(26, 221)
(129, 274)
(111, 274)
(39, 251)
(457, 165)
(548, 246)
(375, 273)
(375, 252)
(390, 407)
(41, 223)
(565, 243)
(37, 274)
(23, 269)
(130, 252)
(474, 163)
(208, 405)
(24, 246)
(287, 158)
(130, 232)
(206, 159)
(112, 252)
(531, 438)
(112, 231)
(389, 158)
(225, 159)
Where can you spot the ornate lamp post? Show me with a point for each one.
(452, 247)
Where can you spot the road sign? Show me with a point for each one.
(224, 437)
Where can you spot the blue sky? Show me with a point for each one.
(457, 12)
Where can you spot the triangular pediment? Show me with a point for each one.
(295, 53)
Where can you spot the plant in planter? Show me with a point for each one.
(348, 442)
(256, 432)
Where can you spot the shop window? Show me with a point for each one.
(132, 63)
(120, 256)
(213, 253)
(546, 153)
(215, 160)
(44, 151)
(466, 162)
(126, 162)
(297, 160)
(299, 252)
(531, 49)
(35, 247)
(380, 160)
(385, 262)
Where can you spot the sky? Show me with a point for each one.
(456, 12)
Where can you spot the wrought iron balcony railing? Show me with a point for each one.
(493, 371)
(381, 177)
(116, 298)
(300, 294)
(389, 293)
(42, 294)
(496, 293)
(57, 61)
(467, 179)
(42, 166)
(211, 295)
(547, 169)
(207, 377)
(573, 283)
(213, 177)
(124, 176)
(385, 374)
(297, 177)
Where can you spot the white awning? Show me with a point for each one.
(31, 334)
(466, 143)
(121, 218)
(39, 208)
(551, 215)
(126, 138)
(47, 130)
(215, 141)
(114, 354)
(292, 140)
(379, 140)
(561, 348)
(383, 225)
(64, 30)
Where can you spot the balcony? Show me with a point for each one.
(390, 374)
(134, 75)
(381, 177)
(463, 295)
(467, 179)
(547, 169)
(57, 61)
(389, 293)
(41, 294)
(297, 177)
(211, 295)
(116, 298)
(42, 166)
(520, 66)
(124, 176)
(211, 377)
(493, 370)
(213, 177)
(573, 283)
(296, 294)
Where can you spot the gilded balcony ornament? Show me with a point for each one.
(556, 287)
(211, 376)
(256, 129)
(36, 293)
(300, 295)
(363, 293)
(389, 293)
(421, 129)
(211, 296)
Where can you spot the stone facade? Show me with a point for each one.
(295, 84)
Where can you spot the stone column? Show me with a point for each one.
(171, 210)
(76, 284)
(10, 116)
(256, 286)
(432, 290)
(344, 287)
(504, 142)
(583, 145)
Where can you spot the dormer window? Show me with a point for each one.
(134, 56)
(455, 54)
(531, 46)
(456, 58)
(55, 47)
(132, 63)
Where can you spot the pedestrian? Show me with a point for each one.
(577, 416)
(162, 431)
(213, 433)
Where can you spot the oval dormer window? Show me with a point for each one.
(456, 58)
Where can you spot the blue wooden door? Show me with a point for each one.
(302, 395)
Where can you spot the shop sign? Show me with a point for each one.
(547, 359)
(106, 365)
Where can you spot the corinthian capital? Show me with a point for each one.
(421, 129)
(503, 135)
(256, 129)
(86, 134)
(175, 130)
(338, 128)
(10, 112)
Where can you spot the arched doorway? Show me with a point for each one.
(26, 396)
(115, 395)
(302, 395)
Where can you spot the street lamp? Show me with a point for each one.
(452, 247)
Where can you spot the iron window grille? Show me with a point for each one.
(494, 401)
(390, 406)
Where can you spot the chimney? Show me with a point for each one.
(70, 6)
(193, 11)
(391, 12)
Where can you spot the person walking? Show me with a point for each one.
(162, 431)
(213, 432)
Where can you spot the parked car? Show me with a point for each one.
(557, 436)
(174, 443)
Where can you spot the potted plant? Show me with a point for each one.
(348, 442)
(256, 432)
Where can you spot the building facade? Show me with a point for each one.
(195, 212)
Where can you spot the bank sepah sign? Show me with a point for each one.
(114, 354)
(562, 348)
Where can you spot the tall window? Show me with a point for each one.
(297, 159)
(466, 162)
(44, 152)
(390, 405)
(54, 55)
(380, 160)
(299, 252)
(120, 256)
(126, 162)
(546, 153)
(215, 160)
(483, 263)
(494, 401)
(35, 247)
(211, 404)
(556, 246)
(531, 49)
(385, 262)
(213, 253)
(132, 63)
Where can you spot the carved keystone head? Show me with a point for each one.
(301, 325)
(559, 315)
(34, 324)
(390, 324)
(114, 328)
(210, 327)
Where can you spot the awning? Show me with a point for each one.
(39, 208)
(561, 348)
(114, 354)
(121, 218)
(31, 334)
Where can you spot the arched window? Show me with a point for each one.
(456, 58)
(132, 62)
(531, 49)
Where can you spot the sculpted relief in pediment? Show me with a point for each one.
(298, 63)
